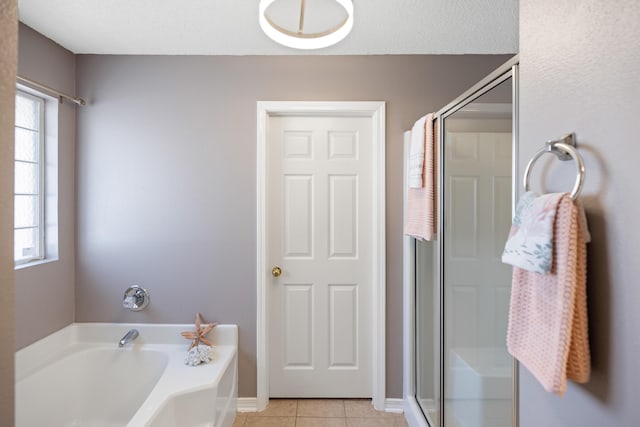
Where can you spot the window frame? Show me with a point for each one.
(49, 176)
(41, 190)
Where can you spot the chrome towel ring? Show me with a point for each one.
(564, 149)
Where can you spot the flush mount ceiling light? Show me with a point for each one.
(306, 24)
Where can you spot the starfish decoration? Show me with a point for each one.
(198, 335)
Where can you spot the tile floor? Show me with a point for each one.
(319, 413)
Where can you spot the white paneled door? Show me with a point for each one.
(478, 218)
(319, 245)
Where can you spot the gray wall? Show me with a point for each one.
(8, 65)
(166, 176)
(579, 72)
(45, 293)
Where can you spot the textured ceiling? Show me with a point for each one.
(230, 27)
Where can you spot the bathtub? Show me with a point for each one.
(79, 377)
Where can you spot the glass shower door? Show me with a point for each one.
(427, 301)
(477, 201)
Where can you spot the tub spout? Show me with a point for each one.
(129, 336)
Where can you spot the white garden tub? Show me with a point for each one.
(79, 377)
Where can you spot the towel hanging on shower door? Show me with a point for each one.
(420, 217)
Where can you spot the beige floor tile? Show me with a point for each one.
(356, 408)
(371, 422)
(277, 408)
(270, 422)
(320, 422)
(322, 408)
(240, 419)
(402, 422)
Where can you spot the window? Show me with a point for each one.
(35, 189)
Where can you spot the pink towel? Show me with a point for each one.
(420, 219)
(548, 314)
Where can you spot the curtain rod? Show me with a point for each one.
(60, 95)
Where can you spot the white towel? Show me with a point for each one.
(530, 242)
(416, 153)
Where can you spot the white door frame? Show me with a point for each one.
(375, 111)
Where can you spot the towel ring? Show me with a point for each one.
(565, 150)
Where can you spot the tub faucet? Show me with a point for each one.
(129, 336)
(136, 298)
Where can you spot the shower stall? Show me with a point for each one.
(458, 372)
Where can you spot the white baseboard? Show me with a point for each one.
(250, 404)
(247, 404)
(394, 405)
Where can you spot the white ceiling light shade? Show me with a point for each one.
(330, 28)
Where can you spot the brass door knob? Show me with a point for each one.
(276, 271)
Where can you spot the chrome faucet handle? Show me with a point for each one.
(135, 298)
